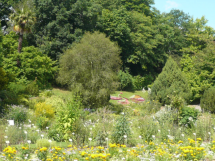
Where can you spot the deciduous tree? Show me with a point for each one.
(90, 69)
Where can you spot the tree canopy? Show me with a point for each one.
(145, 36)
(90, 68)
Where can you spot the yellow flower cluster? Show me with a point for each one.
(117, 145)
(43, 149)
(112, 145)
(43, 109)
(25, 148)
(57, 148)
(189, 152)
(57, 155)
(213, 148)
(167, 150)
(191, 141)
(100, 147)
(100, 155)
(9, 152)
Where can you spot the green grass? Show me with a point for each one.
(127, 94)
(33, 146)
(62, 93)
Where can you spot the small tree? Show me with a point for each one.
(90, 69)
(171, 82)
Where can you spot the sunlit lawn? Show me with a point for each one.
(126, 94)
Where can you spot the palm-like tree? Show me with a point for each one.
(22, 21)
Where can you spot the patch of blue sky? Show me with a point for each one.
(195, 8)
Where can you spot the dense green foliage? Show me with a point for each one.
(121, 132)
(67, 116)
(188, 116)
(18, 114)
(199, 70)
(146, 37)
(34, 66)
(59, 23)
(90, 69)
(4, 80)
(93, 48)
(208, 100)
(169, 83)
(125, 79)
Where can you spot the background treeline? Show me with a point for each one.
(145, 36)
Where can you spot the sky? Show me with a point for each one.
(195, 8)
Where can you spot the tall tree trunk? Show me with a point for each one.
(20, 42)
(19, 47)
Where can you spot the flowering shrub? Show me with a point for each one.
(191, 153)
(43, 109)
(57, 154)
(9, 153)
(42, 153)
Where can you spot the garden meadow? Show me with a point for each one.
(134, 131)
(113, 80)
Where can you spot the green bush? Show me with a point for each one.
(34, 65)
(125, 79)
(121, 129)
(18, 114)
(56, 101)
(138, 82)
(32, 88)
(45, 143)
(67, 115)
(54, 133)
(17, 88)
(170, 82)
(4, 80)
(188, 116)
(7, 97)
(177, 102)
(208, 100)
(42, 122)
